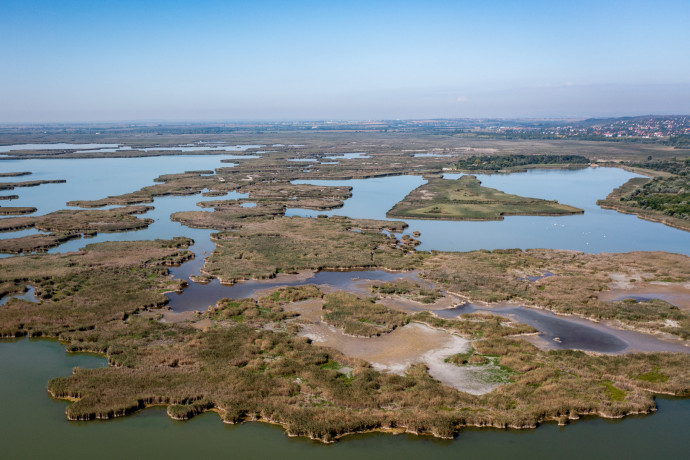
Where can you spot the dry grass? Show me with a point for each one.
(499, 276)
(261, 249)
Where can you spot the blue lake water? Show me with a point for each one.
(348, 156)
(58, 146)
(112, 148)
(101, 177)
(95, 178)
(597, 230)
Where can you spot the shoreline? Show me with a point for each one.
(560, 420)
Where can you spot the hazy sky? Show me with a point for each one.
(99, 60)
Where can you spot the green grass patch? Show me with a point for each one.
(655, 375)
(614, 393)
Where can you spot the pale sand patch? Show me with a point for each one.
(622, 280)
(202, 324)
(411, 344)
(364, 286)
(403, 304)
(677, 294)
(309, 310)
(169, 316)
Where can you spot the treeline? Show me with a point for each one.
(674, 166)
(679, 142)
(537, 135)
(669, 195)
(495, 163)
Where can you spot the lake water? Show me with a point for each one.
(34, 426)
(58, 146)
(27, 365)
(347, 156)
(94, 178)
(112, 148)
(199, 296)
(597, 230)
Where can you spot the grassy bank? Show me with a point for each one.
(466, 199)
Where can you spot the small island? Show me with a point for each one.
(466, 199)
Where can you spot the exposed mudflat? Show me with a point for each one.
(407, 345)
(622, 288)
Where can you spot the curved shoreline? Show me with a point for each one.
(561, 420)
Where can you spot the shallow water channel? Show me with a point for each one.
(567, 332)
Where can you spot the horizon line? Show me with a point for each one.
(324, 120)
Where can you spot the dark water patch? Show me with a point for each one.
(649, 296)
(29, 295)
(532, 279)
(199, 296)
(564, 333)
(639, 298)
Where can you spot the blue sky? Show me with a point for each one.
(212, 60)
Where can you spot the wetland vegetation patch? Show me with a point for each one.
(466, 199)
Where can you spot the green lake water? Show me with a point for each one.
(34, 426)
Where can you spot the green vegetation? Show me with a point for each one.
(361, 317)
(499, 276)
(16, 210)
(655, 375)
(662, 199)
(408, 289)
(82, 292)
(29, 183)
(469, 357)
(69, 224)
(15, 174)
(614, 393)
(247, 363)
(680, 141)
(513, 163)
(261, 249)
(670, 196)
(466, 199)
(680, 167)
